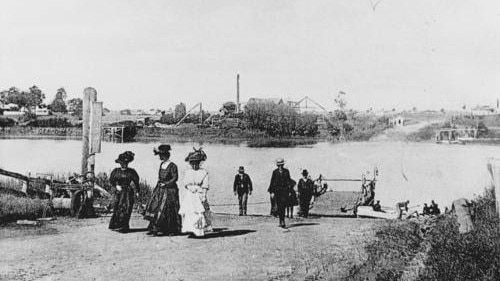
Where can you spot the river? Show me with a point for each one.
(419, 172)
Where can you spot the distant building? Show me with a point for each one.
(482, 110)
(42, 111)
(9, 106)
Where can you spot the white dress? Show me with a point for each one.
(195, 210)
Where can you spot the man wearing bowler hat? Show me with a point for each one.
(242, 187)
(279, 189)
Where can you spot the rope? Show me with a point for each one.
(237, 204)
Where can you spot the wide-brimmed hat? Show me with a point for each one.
(125, 157)
(280, 161)
(162, 149)
(197, 155)
(305, 172)
(241, 169)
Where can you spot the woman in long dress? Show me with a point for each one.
(122, 178)
(195, 210)
(162, 209)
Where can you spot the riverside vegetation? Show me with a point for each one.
(16, 205)
(433, 249)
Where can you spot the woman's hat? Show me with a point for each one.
(241, 169)
(162, 149)
(197, 155)
(125, 157)
(280, 161)
(305, 173)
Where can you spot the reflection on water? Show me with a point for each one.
(416, 171)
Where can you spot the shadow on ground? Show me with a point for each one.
(224, 233)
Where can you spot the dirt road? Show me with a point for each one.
(241, 248)
(400, 133)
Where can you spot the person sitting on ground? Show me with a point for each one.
(377, 208)
(402, 207)
(426, 210)
(434, 210)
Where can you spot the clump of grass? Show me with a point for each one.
(427, 133)
(14, 208)
(396, 245)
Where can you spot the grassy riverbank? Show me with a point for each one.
(432, 249)
(14, 208)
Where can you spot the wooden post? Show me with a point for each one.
(494, 169)
(89, 96)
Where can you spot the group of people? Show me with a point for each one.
(165, 213)
(403, 209)
(433, 209)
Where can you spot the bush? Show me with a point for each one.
(279, 120)
(470, 256)
(14, 208)
(6, 122)
(51, 122)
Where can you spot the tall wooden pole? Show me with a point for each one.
(89, 96)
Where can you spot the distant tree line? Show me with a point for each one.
(279, 120)
(34, 97)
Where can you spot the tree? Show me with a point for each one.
(29, 99)
(59, 104)
(35, 96)
(75, 106)
(179, 111)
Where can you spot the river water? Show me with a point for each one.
(419, 172)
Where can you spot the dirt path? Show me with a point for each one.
(248, 248)
(400, 133)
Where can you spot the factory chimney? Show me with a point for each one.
(238, 93)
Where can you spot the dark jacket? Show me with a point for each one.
(242, 185)
(280, 182)
(306, 186)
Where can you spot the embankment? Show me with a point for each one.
(12, 132)
(433, 249)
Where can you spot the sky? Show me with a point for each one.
(428, 54)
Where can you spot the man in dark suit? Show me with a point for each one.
(279, 189)
(242, 187)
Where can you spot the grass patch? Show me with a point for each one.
(427, 133)
(15, 208)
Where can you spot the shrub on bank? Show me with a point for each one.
(6, 122)
(15, 208)
(439, 253)
(470, 256)
(52, 122)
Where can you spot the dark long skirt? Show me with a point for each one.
(163, 211)
(122, 209)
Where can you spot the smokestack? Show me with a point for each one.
(238, 93)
